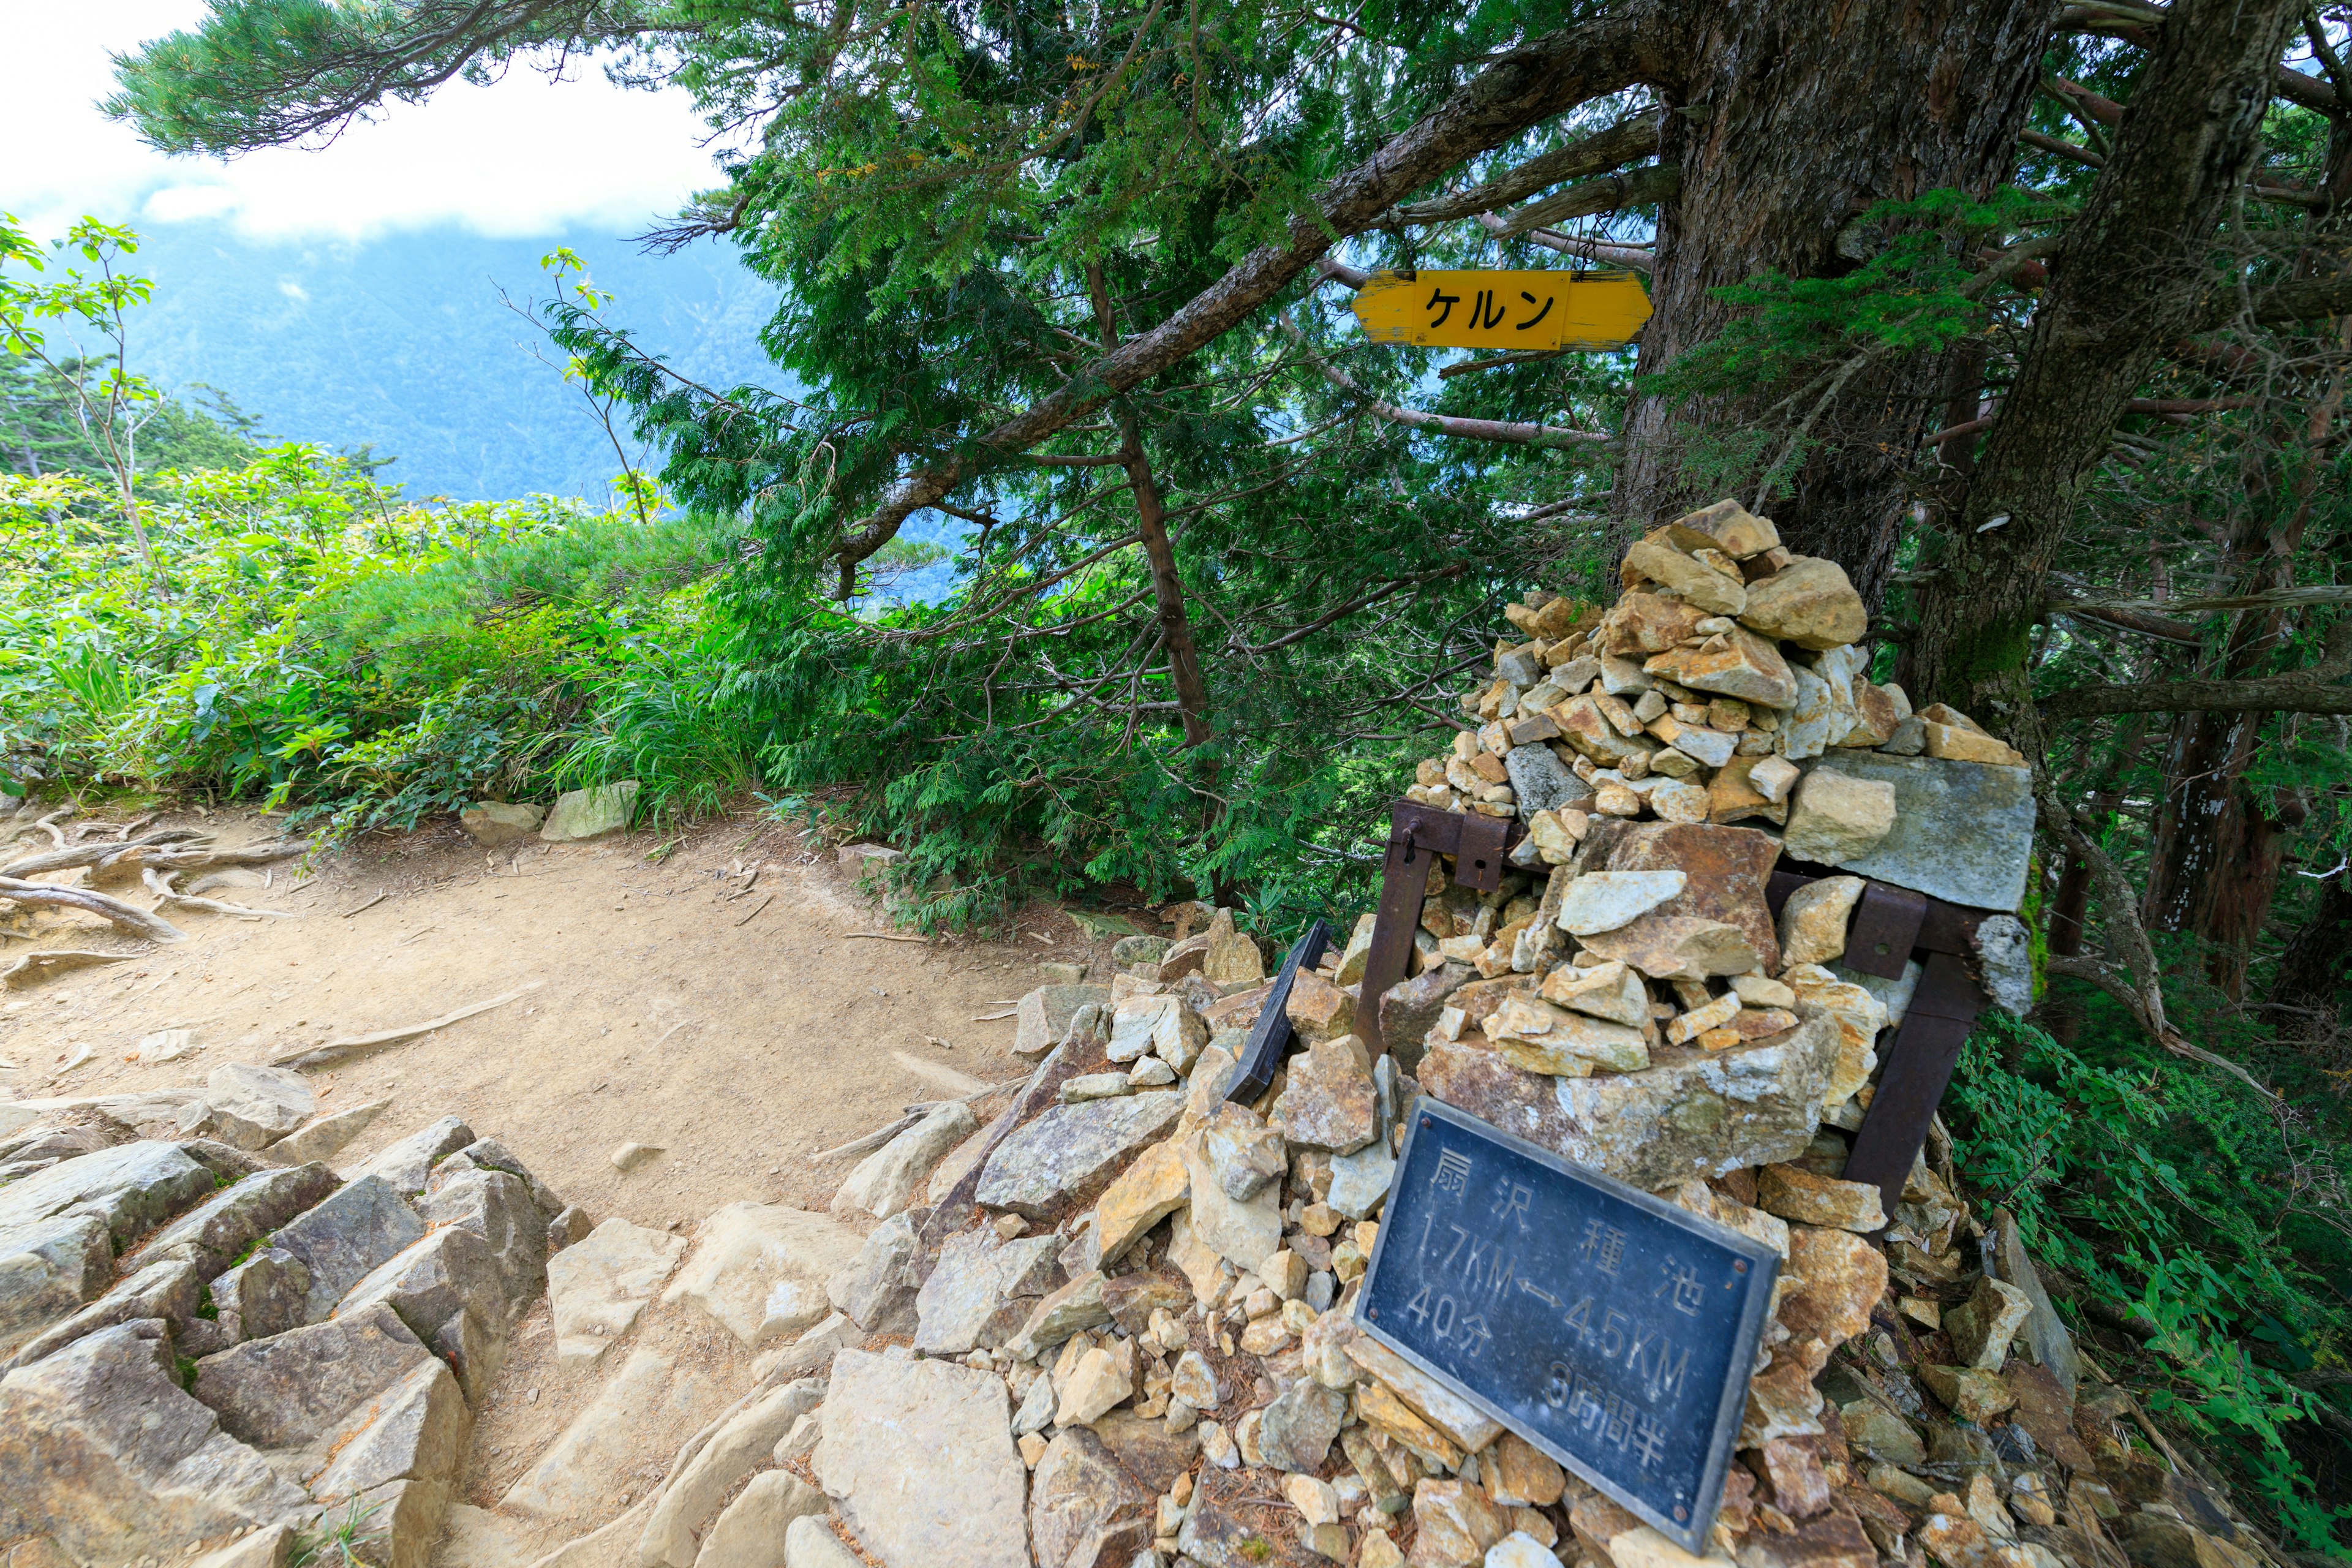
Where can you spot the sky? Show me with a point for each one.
(524, 156)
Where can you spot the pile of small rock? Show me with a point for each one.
(211, 1341)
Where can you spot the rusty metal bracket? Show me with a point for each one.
(1269, 1037)
(1479, 846)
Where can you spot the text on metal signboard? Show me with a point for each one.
(1613, 1331)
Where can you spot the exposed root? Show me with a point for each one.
(129, 917)
(160, 884)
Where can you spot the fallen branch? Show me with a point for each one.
(160, 884)
(915, 1112)
(129, 917)
(37, 966)
(337, 1051)
(365, 907)
(763, 904)
(883, 936)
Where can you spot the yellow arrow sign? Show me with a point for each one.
(1502, 309)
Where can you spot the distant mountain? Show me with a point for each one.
(401, 343)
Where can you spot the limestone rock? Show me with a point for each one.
(752, 1532)
(1835, 819)
(417, 1430)
(1084, 1508)
(213, 1232)
(345, 1238)
(1692, 1113)
(61, 1228)
(2004, 964)
(1538, 1037)
(1244, 1151)
(292, 1390)
(1746, 667)
(1666, 946)
(1043, 1016)
(573, 1480)
(1298, 1429)
(1328, 1102)
(585, 814)
(740, 1446)
(596, 1287)
(1410, 1008)
(877, 1290)
(1165, 1026)
(980, 1292)
(1065, 1156)
(1457, 1523)
(107, 1457)
(1074, 1308)
(249, 1107)
(1155, 1186)
(810, 1543)
(1843, 1277)
(1241, 1232)
(1701, 585)
(1318, 1010)
(439, 1287)
(918, 1457)
(1813, 922)
(1540, 781)
(265, 1294)
(1726, 871)
(1604, 900)
(1981, 1327)
(1230, 958)
(760, 1269)
(324, 1137)
(1809, 602)
(407, 1165)
(1796, 1193)
(157, 1290)
(494, 824)
(1971, 1393)
(1360, 1180)
(1963, 831)
(889, 1179)
(496, 1206)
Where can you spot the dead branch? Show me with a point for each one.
(1621, 143)
(2317, 689)
(335, 1052)
(129, 917)
(1645, 186)
(160, 884)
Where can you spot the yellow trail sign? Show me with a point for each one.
(1537, 310)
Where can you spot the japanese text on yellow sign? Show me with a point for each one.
(1540, 310)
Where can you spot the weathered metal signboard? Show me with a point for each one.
(1499, 310)
(1614, 1331)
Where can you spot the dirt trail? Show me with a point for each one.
(741, 1033)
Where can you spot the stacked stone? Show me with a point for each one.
(208, 1336)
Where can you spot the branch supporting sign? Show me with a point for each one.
(1533, 310)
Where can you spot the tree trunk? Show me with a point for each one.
(2306, 994)
(1791, 121)
(2131, 275)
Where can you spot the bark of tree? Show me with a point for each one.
(2131, 276)
(1789, 121)
(2306, 992)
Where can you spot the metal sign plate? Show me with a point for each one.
(1612, 1329)
(1536, 309)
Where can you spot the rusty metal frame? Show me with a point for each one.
(1890, 926)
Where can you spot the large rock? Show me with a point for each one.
(753, 1531)
(249, 1107)
(919, 1456)
(1296, 1429)
(1410, 1008)
(324, 1137)
(1541, 781)
(1809, 602)
(1725, 870)
(407, 1165)
(1232, 959)
(582, 813)
(104, 1454)
(889, 1179)
(495, 823)
(417, 1432)
(1692, 1113)
(878, 1292)
(760, 1269)
(651, 1397)
(1043, 1016)
(1244, 1234)
(168, 1290)
(266, 1293)
(289, 1391)
(1747, 666)
(498, 1208)
(739, 1446)
(1084, 1508)
(1155, 1186)
(1329, 1101)
(61, 1228)
(810, 1543)
(213, 1234)
(1836, 818)
(1360, 1180)
(596, 1287)
(350, 1234)
(1065, 1156)
(446, 1289)
(982, 1290)
(1963, 831)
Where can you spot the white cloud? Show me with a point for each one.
(524, 156)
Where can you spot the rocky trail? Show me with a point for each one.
(559, 1281)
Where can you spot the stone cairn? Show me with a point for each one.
(211, 1340)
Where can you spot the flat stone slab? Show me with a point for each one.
(760, 1270)
(1691, 1113)
(1064, 1157)
(580, 1476)
(1963, 831)
(918, 1457)
(596, 1287)
(289, 1391)
(1043, 1016)
(981, 1283)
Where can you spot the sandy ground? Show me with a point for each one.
(741, 1033)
